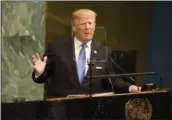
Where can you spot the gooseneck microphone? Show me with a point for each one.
(119, 67)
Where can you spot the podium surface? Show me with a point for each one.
(99, 107)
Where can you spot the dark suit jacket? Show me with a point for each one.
(61, 73)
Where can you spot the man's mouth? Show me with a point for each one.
(87, 33)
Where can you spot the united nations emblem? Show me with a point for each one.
(138, 109)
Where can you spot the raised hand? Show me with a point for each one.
(38, 64)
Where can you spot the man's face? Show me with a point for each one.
(84, 28)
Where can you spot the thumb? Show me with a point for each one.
(45, 59)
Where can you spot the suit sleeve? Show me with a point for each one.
(48, 68)
(119, 85)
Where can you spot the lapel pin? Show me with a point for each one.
(95, 52)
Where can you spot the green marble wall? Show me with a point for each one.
(23, 33)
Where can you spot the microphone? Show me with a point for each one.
(118, 66)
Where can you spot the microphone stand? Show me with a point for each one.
(90, 64)
(161, 83)
(121, 75)
(119, 67)
(129, 74)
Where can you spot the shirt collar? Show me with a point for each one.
(78, 43)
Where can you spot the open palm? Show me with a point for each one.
(38, 64)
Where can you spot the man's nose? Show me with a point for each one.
(87, 26)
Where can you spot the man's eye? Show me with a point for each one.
(82, 24)
(90, 23)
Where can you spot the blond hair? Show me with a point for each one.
(82, 13)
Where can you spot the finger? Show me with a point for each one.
(33, 57)
(37, 56)
(33, 62)
(34, 67)
(45, 59)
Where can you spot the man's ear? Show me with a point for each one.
(95, 24)
(73, 31)
(73, 28)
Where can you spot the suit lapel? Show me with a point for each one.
(93, 53)
(70, 54)
(93, 50)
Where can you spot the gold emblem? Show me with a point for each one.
(138, 109)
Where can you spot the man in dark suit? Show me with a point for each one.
(65, 62)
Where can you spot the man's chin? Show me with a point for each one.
(88, 38)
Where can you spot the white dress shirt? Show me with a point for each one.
(77, 46)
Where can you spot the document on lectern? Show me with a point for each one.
(103, 94)
(93, 95)
(77, 95)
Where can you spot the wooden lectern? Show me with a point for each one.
(151, 105)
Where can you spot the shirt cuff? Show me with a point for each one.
(37, 75)
(132, 86)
